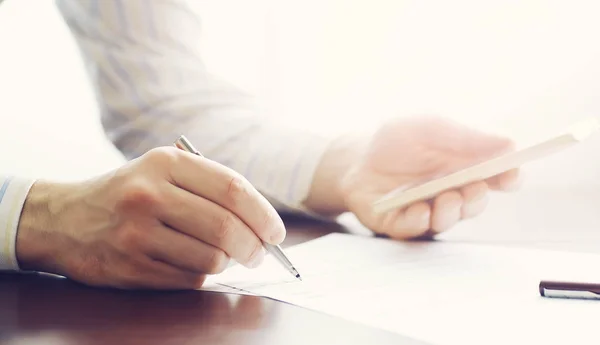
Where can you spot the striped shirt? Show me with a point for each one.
(144, 62)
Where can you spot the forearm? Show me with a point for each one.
(152, 86)
(280, 162)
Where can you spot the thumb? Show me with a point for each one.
(463, 140)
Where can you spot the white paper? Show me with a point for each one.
(211, 285)
(443, 293)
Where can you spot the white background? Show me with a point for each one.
(518, 67)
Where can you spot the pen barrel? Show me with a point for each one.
(277, 252)
(184, 144)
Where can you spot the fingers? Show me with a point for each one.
(436, 216)
(475, 198)
(411, 222)
(212, 224)
(451, 207)
(150, 274)
(446, 211)
(231, 191)
(184, 252)
(506, 181)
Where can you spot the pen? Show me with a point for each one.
(559, 289)
(184, 144)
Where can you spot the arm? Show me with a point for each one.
(152, 86)
(13, 191)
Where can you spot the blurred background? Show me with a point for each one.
(521, 68)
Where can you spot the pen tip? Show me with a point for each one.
(298, 276)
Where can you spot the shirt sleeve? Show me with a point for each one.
(144, 61)
(13, 192)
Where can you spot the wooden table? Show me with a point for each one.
(38, 309)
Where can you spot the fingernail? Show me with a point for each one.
(257, 259)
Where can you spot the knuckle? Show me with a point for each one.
(271, 226)
(226, 227)
(217, 262)
(256, 251)
(162, 155)
(139, 192)
(129, 237)
(237, 190)
(268, 220)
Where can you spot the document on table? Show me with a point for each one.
(442, 293)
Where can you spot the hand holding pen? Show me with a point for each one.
(165, 220)
(248, 192)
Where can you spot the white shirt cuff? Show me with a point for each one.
(13, 192)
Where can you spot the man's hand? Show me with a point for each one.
(403, 153)
(164, 221)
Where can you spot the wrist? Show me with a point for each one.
(326, 197)
(35, 246)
